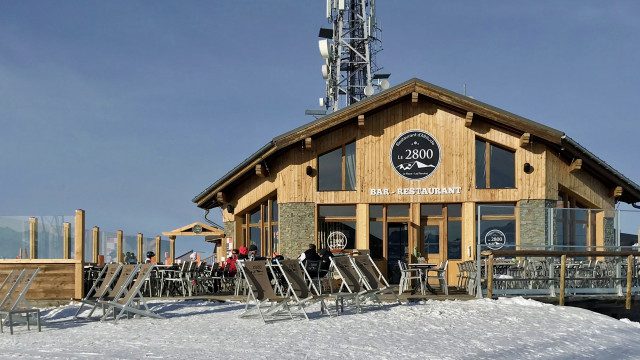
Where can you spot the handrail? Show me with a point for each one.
(558, 253)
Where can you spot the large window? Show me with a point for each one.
(380, 231)
(336, 225)
(260, 228)
(574, 223)
(498, 219)
(337, 169)
(495, 166)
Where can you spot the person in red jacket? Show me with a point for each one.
(229, 267)
(243, 253)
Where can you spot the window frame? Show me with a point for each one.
(266, 226)
(343, 167)
(336, 219)
(487, 164)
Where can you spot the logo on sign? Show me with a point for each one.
(495, 239)
(415, 155)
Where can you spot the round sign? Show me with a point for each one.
(495, 239)
(415, 155)
(197, 229)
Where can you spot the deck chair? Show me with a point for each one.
(125, 277)
(14, 303)
(106, 278)
(132, 301)
(294, 276)
(371, 277)
(266, 303)
(343, 267)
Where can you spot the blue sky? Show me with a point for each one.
(129, 109)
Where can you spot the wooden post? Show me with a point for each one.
(140, 248)
(490, 277)
(158, 248)
(79, 254)
(627, 303)
(66, 239)
(119, 254)
(563, 274)
(33, 238)
(172, 249)
(95, 235)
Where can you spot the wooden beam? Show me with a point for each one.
(261, 170)
(158, 249)
(525, 139)
(617, 192)
(95, 236)
(172, 249)
(414, 98)
(360, 121)
(78, 249)
(576, 165)
(220, 197)
(468, 120)
(66, 239)
(308, 145)
(563, 275)
(119, 254)
(140, 239)
(33, 238)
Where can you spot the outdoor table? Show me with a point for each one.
(423, 268)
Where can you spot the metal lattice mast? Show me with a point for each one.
(349, 49)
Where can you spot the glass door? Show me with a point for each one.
(397, 249)
(431, 242)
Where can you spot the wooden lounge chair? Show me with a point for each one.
(294, 274)
(268, 305)
(14, 303)
(343, 267)
(106, 278)
(371, 277)
(126, 275)
(132, 301)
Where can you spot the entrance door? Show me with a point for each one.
(397, 249)
(431, 242)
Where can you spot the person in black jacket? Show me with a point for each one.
(310, 254)
(326, 256)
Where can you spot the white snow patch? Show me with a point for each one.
(480, 329)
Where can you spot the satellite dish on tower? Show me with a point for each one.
(324, 47)
(325, 71)
(384, 84)
(368, 90)
(321, 102)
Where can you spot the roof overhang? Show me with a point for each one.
(196, 229)
(457, 102)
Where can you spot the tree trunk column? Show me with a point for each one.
(172, 249)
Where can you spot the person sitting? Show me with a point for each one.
(243, 253)
(326, 256)
(149, 259)
(229, 266)
(310, 254)
(253, 252)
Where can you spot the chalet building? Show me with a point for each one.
(407, 171)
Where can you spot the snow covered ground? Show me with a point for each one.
(480, 329)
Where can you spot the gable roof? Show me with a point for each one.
(188, 230)
(443, 96)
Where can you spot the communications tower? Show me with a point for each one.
(349, 51)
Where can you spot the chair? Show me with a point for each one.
(350, 280)
(106, 278)
(268, 305)
(176, 279)
(127, 273)
(312, 269)
(406, 275)
(371, 277)
(14, 302)
(132, 301)
(441, 275)
(294, 276)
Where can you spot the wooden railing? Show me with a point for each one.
(630, 255)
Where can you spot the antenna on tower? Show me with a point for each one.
(349, 50)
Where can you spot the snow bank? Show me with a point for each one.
(480, 329)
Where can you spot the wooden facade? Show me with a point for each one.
(542, 165)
